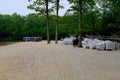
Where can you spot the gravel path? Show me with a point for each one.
(41, 61)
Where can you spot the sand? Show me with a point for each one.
(41, 61)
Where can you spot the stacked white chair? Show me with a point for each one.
(110, 45)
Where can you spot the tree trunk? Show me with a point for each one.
(56, 34)
(80, 24)
(47, 23)
(93, 23)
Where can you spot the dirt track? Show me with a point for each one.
(41, 61)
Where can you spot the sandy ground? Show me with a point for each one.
(41, 61)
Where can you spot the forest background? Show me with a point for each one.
(100, 17)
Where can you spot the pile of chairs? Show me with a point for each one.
(93, 43)
(68, 40)
(100, 44)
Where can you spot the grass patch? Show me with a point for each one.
(6, 43)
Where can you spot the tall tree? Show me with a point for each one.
(80, 24)
(47, 22)
(56, 6)
(56, 34)
(41, 7)
(77, 9)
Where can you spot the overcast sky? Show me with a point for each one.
(20, 7)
